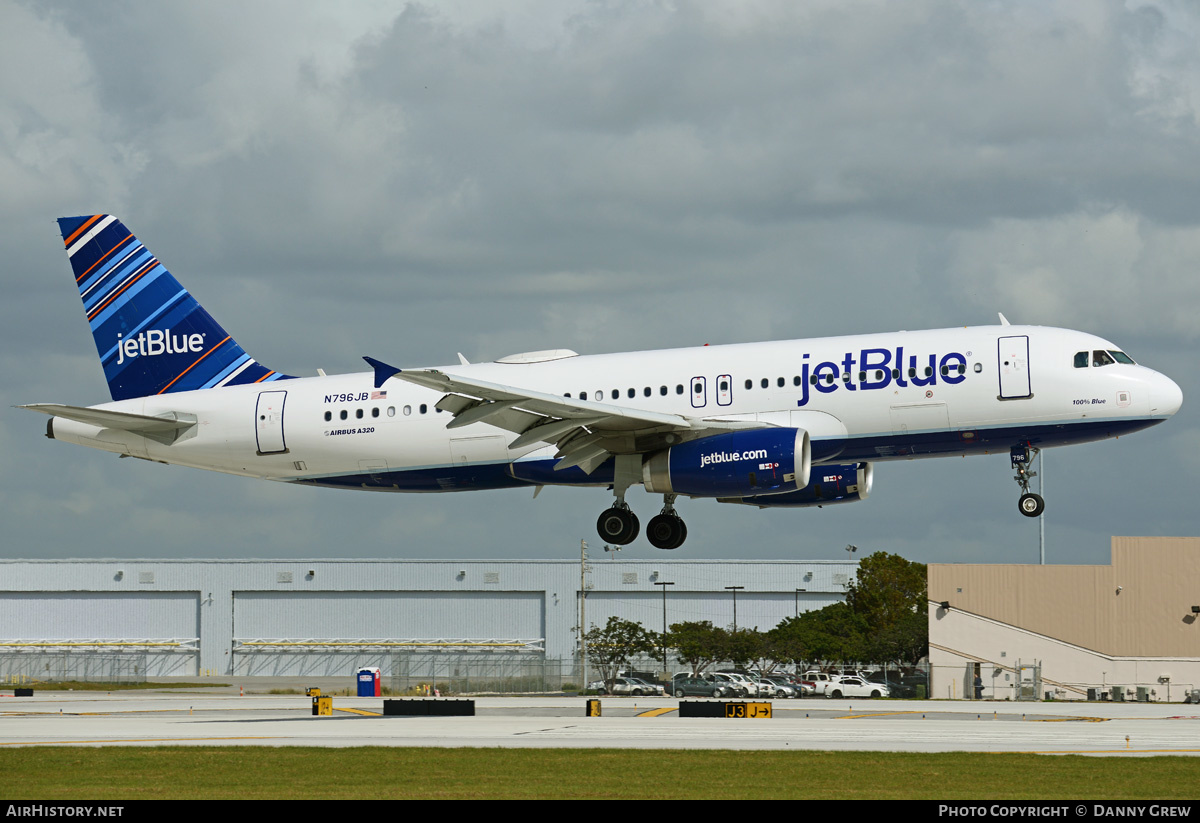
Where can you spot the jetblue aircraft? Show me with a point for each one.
(785, 424)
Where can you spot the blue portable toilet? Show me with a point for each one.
(370, 680)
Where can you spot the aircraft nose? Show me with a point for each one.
(1166, 397)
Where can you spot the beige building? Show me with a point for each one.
(1134, 623)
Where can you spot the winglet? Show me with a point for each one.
(382, 370)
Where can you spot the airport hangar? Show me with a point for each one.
(1133, 625)
(330, 617)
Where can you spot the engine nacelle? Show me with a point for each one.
(754, 462)
(830, 484)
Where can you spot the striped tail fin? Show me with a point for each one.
(151, 334)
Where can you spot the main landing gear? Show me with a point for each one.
(666, 529)
(1030, 504)
(619, 525)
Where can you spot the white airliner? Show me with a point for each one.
(792, 423)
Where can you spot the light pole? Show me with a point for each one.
(735, 590)
(664, 634)
(583, 611)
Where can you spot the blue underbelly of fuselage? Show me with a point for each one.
(867, 448)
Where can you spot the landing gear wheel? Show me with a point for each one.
(666, 531)
(1031, 505)
(618, 526)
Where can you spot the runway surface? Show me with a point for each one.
(201, 717)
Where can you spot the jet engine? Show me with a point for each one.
(829, 484)
(753, 462)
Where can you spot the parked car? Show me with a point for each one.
(855, 686)
(736, 685)
(748, 684)
(626, 686)
(783, 686)
(819, 679)
(650, 677)
(895, 683)
(700, 687)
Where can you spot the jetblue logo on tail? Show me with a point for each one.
(157, 341)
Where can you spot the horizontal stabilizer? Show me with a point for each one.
(134, 423)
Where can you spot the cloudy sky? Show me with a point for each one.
(410, 181)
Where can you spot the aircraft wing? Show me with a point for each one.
(586, 432)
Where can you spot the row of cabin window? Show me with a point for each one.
(662, 390)
(779, 381)
(616, 393)
(344, 414)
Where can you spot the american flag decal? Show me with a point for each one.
(379, 395)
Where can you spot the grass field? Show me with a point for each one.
(145, 773)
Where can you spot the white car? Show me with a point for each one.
(855, 686)
(628, 686)
(768, 688)
(750, 684)
(736, 684)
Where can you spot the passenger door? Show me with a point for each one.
(1013, 364)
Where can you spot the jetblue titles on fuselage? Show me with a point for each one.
(880, 368)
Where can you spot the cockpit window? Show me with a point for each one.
(1122, 357)
(1101, 358)
(1081, 360)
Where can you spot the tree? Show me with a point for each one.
(611, 648)
(698, 644)
(742, 646)
(890, 594)
(790, 641)
(835, 633)
(906, 641)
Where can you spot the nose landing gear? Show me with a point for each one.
(1030, 504)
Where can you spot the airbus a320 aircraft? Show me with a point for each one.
(786, 424)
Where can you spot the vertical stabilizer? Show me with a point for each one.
(151, 334)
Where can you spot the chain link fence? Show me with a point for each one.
(466, 673)
(92, 667)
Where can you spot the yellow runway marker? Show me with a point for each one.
(875, 714)
(359, 711)
(656, 712)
